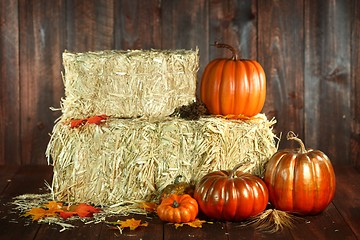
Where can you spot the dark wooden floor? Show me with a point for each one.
(341, 220)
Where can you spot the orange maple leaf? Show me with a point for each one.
(197, 223)
(53, 206)
(82, 210)
(51, 209)
(36, 213)
(148, 206)
(130, 223)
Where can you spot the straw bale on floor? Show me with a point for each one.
(128, 160)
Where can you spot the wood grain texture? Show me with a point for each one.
(185, 30)
(346, 202)
(137, 24)
(355, 85)
(26, 180)
(7, 173)
(89, 25)
(238, 232)
(281, 51)
(41, 45)
(81, 231)
(9, 84)
(310, 51)
(153, 231)
(327, 77)
(326, 225)
(234, 23)
(216, 230)
(339, 221)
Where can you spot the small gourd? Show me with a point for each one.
(178, 188)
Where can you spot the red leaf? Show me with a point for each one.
(66, 215)
(82, 210)
(85, 210)
(97, 119)
(77, 123)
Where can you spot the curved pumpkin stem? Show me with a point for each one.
(175, 204)
(235, 55)
(233, 171)
(292, 136)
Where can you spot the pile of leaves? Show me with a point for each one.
(57, 210)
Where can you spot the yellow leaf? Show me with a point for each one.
(130, 223)
(36, 213)
(148, 206)
(53, 207)
(50, 210)
(197, 223)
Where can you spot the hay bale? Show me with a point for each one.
(130, 160)
(128, 84)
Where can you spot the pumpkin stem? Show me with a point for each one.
(175, 204)
(177, 179)
(235, 55)
(292, 136)
(233, 171)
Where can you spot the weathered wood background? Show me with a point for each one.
(310, 51)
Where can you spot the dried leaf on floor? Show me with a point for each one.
(197, 223)
(132, 223)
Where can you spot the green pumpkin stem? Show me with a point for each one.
(177, 179)
(235, 55)
(292, 136)
(175, 204)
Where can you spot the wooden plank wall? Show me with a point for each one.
(310, 51)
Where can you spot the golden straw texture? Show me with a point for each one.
(129, 160)
(128, 84)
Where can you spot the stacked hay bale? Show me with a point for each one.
(128, 84)
(140, 148)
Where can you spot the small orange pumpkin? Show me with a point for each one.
(178, 209)
(233, 86)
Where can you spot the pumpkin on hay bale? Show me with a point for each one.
(233, 87)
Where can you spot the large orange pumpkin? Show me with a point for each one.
(300, 181)
(233, 86)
